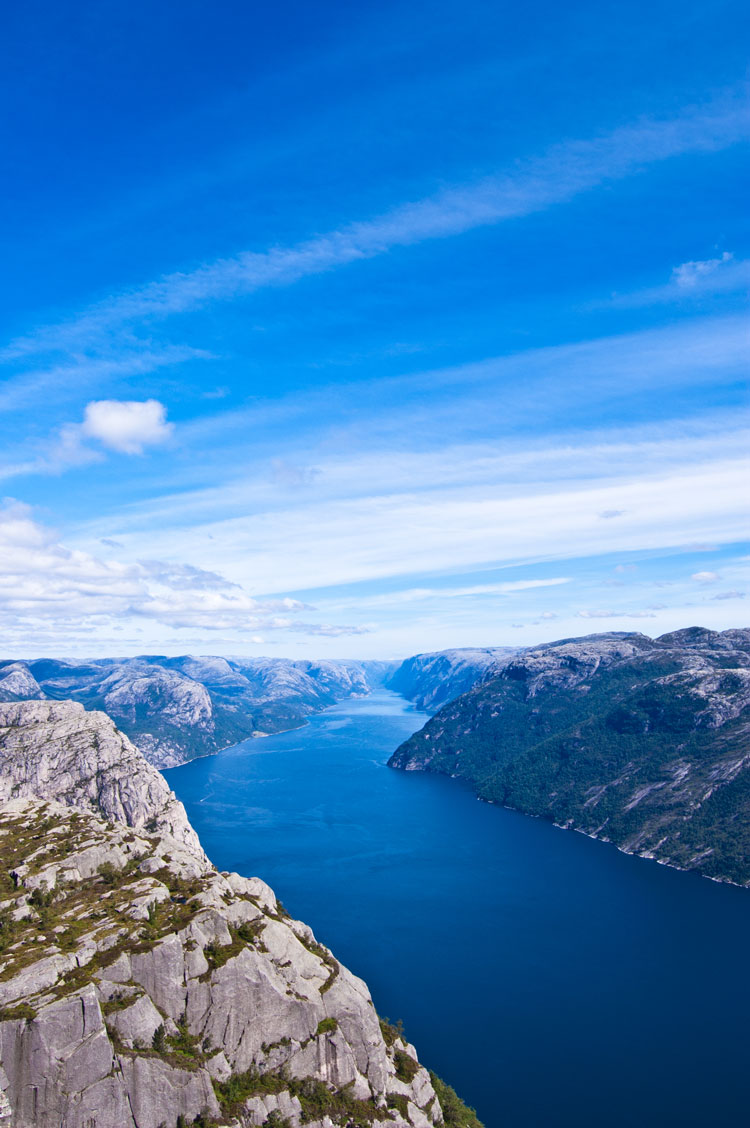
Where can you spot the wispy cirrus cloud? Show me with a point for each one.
(84, 369)
(425, 594)
(560, 174)
(312, 543)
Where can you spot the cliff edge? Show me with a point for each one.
(140, 988)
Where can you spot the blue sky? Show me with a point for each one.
(363, 330)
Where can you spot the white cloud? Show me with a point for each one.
(126, 426)
(690, 281)
(45, 585)
(423, 594)
(705, 577)
(132, 358)
(616, 615)
(729, 595)
(690, 274)
(503, 518)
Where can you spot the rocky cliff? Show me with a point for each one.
(641, 742)
(140, 988)
(430, 680)
(177, 708)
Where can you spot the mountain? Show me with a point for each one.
(641, 742)
(429, 680)
(140, 988)
(177, 708)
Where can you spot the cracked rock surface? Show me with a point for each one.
(139, 985)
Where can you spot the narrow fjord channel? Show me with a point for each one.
(549, 978)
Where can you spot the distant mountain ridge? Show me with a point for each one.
(429, 680)
(174, 709)
(641, 742)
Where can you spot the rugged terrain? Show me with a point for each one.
(430, 680)
(140, 988)
(641, 742)
(176, 708)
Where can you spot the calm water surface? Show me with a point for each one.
(549, 978)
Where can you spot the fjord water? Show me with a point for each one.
(549, 978)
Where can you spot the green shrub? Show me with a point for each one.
(391, 1033)
(406, 1067)
(108, 873)
(455, 1113)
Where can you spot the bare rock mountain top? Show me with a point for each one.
(58, 750)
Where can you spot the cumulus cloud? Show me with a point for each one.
(44, 584)
(126, 426)
(705, 577)
(729, 595)
(123, 426)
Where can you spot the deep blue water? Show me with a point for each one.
(549, 978)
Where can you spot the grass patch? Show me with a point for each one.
(21, 1010)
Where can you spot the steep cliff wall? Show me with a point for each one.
(430, 680)
(140, 988)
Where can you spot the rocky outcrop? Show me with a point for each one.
(177, 708)
(141, 988)
(641, 742)
(430, 680)
(58, 750)
(17, 683)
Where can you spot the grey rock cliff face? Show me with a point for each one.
(430, 680)
(58, 750)
(139, 985)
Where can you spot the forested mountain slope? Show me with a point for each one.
(641, 742)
